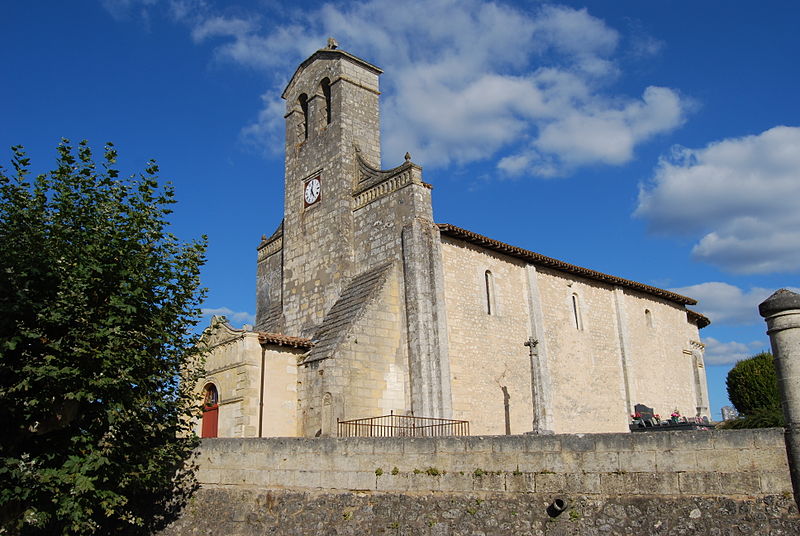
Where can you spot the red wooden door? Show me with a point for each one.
(210, 421)
(210, 411)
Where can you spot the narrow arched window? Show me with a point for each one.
(576, 312)
(489, 282)
(648, 318)
(210, 395)
(303, 101)
(326, 92)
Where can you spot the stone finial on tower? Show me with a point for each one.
(781, 300)
(332, 44)
(408, 157)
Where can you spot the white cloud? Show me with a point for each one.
(234, 317)
(608, 134)
(466, 80)
(642, 44)
(726, 353)
(726, 304)
(739, 196)
(222, 27)
(266, 130)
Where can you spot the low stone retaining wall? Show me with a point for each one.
(736, 462)
(659, 483)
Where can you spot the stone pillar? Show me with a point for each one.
(700, 382)
(541, 390)
(429, 365)
(627, 387)
(782, 314)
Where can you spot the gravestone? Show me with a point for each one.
(644, 412)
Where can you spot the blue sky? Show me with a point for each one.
(657, 141)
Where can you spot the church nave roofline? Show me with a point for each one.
(549, 262)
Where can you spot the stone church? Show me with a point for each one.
(367, 307)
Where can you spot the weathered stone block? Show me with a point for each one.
(577, 442)
(208, 476)
(520, 482)
(550, 482)
(542, 443)
(423, 481)
(390, 482)
(451, 445)
(582, 483)
(657, 483)
(233, 476)
(619, 483)
(738, 483)
(733, 439)
(600, 462)
(652, 441)
(536, 462)
(511, 444)
(614, 442)
(694, 440)
(763, 459)
(698, 483)
(669, 461)
(479, 444)
(419, 445)
(775, 482)
(361, 480)
(455, 482)
(722, 460)
(637, 461)
(489, 482)
(768, 438)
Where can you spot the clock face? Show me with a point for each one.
(311, 191)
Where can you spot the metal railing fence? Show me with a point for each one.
(401, 426)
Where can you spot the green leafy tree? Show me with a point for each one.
(97, 356)
(753, 389)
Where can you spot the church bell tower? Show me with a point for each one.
(356, 265)
(332, 116)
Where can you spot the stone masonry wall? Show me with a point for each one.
(662, 368)
(233, 368)
(318, 240)
(279, 417)
(719, 482)
(367, 377)
(486, 350)
(736, 462)
(585, 362)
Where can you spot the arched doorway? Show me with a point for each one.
(210, 411)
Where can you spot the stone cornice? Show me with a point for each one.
(697, 345)
(327, 53)
(230, 366)
(697, 319)
(270, 248)
(271, 245)
(374, 184)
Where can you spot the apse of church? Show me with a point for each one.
(366, 307)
